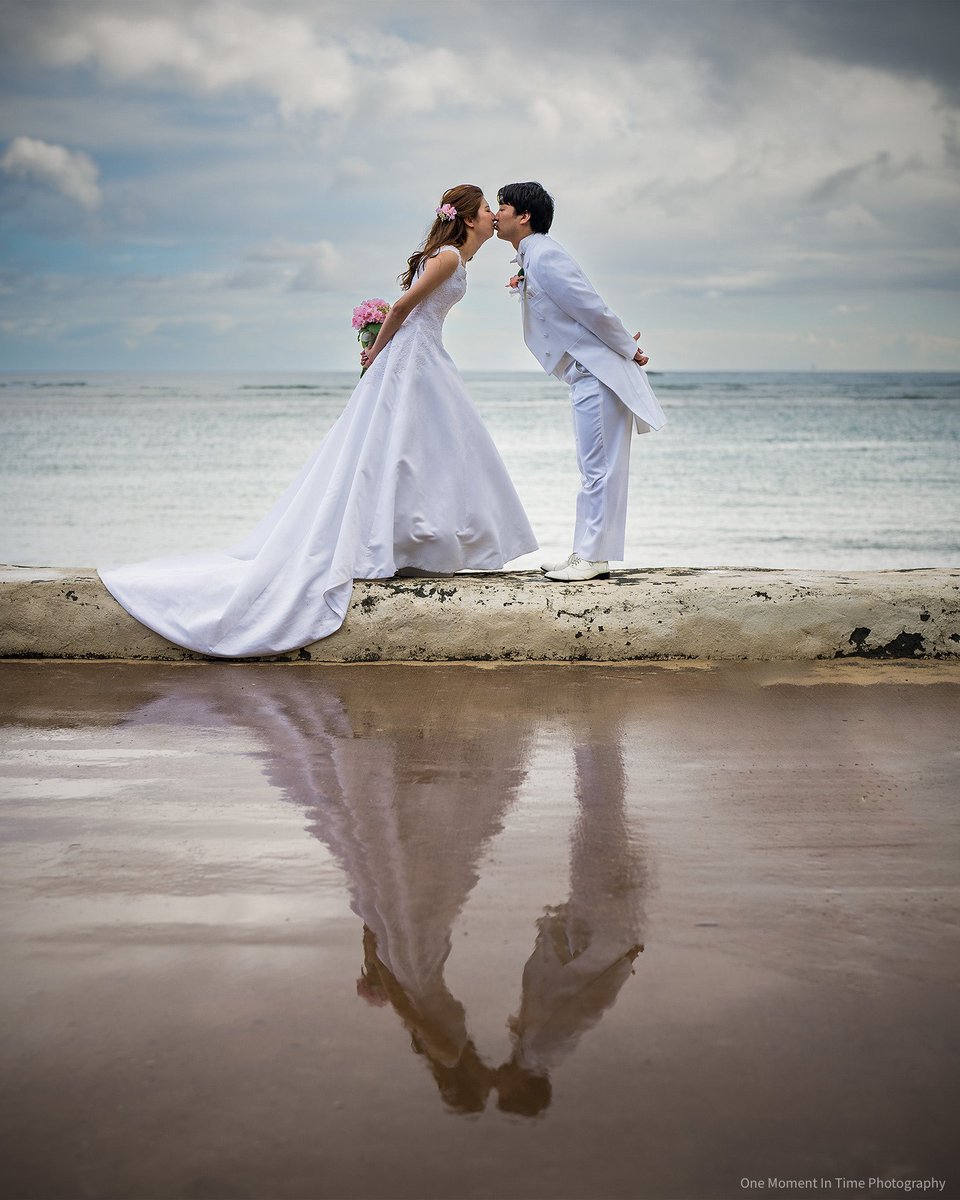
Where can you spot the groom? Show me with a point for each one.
(574, 336)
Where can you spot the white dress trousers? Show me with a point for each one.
(602, 430)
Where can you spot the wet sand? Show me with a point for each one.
(584, 931)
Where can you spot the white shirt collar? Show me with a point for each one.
(521, 249)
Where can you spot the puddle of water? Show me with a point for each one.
(454, 932)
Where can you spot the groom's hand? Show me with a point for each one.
(640, 358)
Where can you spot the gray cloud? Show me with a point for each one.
(920, 39)
(881, 167)
(731, 38)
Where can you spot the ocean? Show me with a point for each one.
(849, 471)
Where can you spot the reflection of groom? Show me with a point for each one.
(585, 948)
(574, 336)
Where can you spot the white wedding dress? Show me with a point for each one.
(407, 477)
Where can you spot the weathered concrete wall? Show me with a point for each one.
(716, 613)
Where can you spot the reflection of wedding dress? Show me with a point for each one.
(407, 477)
(406, 811)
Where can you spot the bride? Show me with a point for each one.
(407, 479)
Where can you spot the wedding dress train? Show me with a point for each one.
(408, 476)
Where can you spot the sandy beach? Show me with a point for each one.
(650, 930)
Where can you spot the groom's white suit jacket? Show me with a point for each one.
(563, 315)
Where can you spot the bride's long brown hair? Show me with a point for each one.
(466, 199)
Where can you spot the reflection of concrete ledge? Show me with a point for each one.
(721, 612)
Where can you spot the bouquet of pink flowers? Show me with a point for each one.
(368, 317)
(370, 312)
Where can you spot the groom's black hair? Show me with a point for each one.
(532, 198)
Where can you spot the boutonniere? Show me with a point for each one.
(516, 282)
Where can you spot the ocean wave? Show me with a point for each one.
(43, 383)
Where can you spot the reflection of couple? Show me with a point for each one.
(407, 798)
(408, 479)
(582, 956)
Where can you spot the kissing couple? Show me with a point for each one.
(408, 480)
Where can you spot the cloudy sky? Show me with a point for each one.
(755, 184)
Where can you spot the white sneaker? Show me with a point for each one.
(558, 566)
(578, 569)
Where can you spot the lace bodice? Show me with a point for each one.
(419, 340)
(422, 331)
(431, 312)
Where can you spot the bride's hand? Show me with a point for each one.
(640, 358)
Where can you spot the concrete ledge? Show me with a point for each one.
(713, 613)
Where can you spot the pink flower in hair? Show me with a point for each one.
(446, 212)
